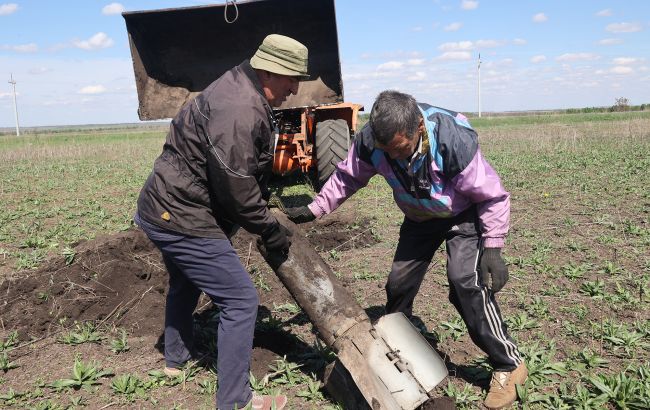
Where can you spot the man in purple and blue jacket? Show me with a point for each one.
(448, 191)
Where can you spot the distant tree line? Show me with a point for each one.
(622, 104)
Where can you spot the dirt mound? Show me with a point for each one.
(121, 280)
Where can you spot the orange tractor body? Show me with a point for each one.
(296, 148)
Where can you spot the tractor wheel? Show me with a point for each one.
(332, 143)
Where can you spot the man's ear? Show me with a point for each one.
(421, 126)
(264, 76)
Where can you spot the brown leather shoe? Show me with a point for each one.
(502, 387)
(267, 403)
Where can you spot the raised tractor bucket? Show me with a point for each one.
(179, 52)
(389, 364)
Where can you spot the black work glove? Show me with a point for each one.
(276, 238)
(299, 214)
(494, 272)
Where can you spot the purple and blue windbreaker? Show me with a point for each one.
(445, 178)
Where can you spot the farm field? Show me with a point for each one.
(82, 289)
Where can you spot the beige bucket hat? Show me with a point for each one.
(281, 55)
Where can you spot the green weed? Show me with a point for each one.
(521, 321)
(312, 393)
(541, 367)
(594, 289)
(127, 384)
(120, 344)
(85, 332)
(83, 375)
(288, 307)
(208, 386)
(10, 341)
(455, 328)
(5, 363)
(465, 397)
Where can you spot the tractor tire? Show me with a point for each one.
(332, 144)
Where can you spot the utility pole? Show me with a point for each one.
(479, 85)
(13, 83)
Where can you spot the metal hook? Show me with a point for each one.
(225, 11)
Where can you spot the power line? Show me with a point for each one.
(13, 83)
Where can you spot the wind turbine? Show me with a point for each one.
(13, 83)
(479, 85)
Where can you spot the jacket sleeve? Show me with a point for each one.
(350, 175)
(237, 150)
(480, 183)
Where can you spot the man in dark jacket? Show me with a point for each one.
(209, 180)
(449, 193)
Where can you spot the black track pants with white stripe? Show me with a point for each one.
(476, 304)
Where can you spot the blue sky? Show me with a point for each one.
(72, 63)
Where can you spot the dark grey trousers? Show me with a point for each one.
(211, 266)
(476, 304)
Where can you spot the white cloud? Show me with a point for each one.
(623, 27)
(99, 40)
(56, 103)
(92, 89)
(390, 65)
(604, 13)
(8, 8)
(621, 70)
(625, 60)
(39, 70)
(453, 27)
(456, 55)
(457, 46)
(469, 5)
(418, 76)
(537, 59)
(488, 43)
(394, 65)
(58, 47)
(578, 57)
(113, 8)
(519, 41)
(415, 61)
(26, 48)
(21, 48)
(417, 28)
(610, 41)
(540, 18)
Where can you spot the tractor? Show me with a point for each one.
(178, 52)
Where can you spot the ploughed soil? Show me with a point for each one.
(118, 283)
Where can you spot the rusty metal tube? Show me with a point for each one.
(314, 286)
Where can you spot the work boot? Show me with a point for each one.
(502, 387)
(172, 372)
(267, 403)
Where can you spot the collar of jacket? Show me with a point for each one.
(250, 72)
(247, 69)
(419, 154)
